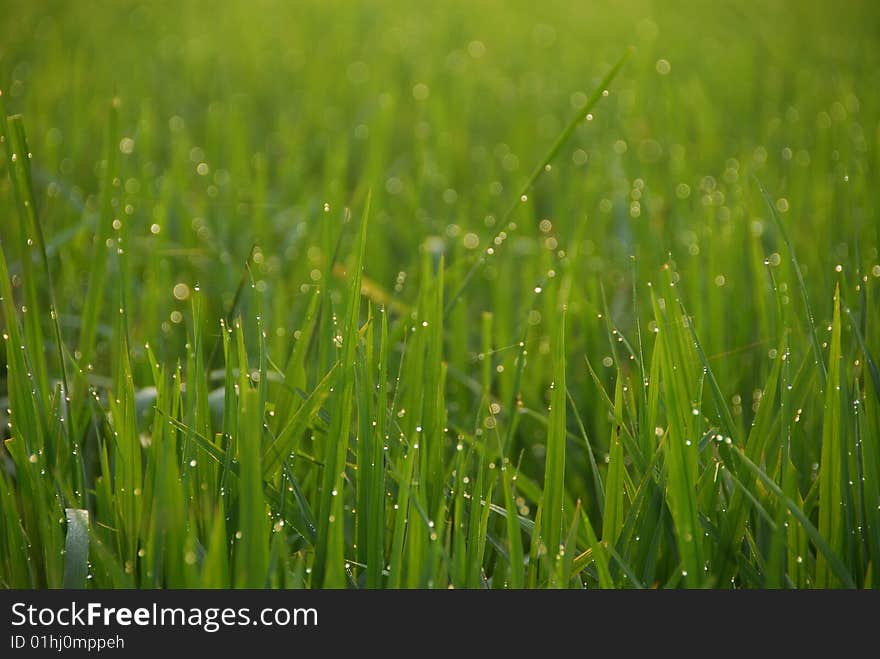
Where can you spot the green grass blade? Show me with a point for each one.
(330, 550)
(613, 515)
(76, 548)
(554, 470)
(282, 445)
(831, 469)
(252, 536)
(540, 168)
(681, 452)
(598, 554)
(811, 322)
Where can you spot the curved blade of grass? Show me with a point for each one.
(540, 168)
(280, 447)
(524, 523)
(811, 322)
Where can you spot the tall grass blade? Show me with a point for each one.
(76, 548)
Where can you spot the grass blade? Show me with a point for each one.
(831, 469)
(554, 470)
(76, 548)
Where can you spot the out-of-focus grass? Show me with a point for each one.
(655, 366)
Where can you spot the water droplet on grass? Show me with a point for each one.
(181, 291)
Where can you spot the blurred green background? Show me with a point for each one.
(264, 124)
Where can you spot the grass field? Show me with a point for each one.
(459, 294)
